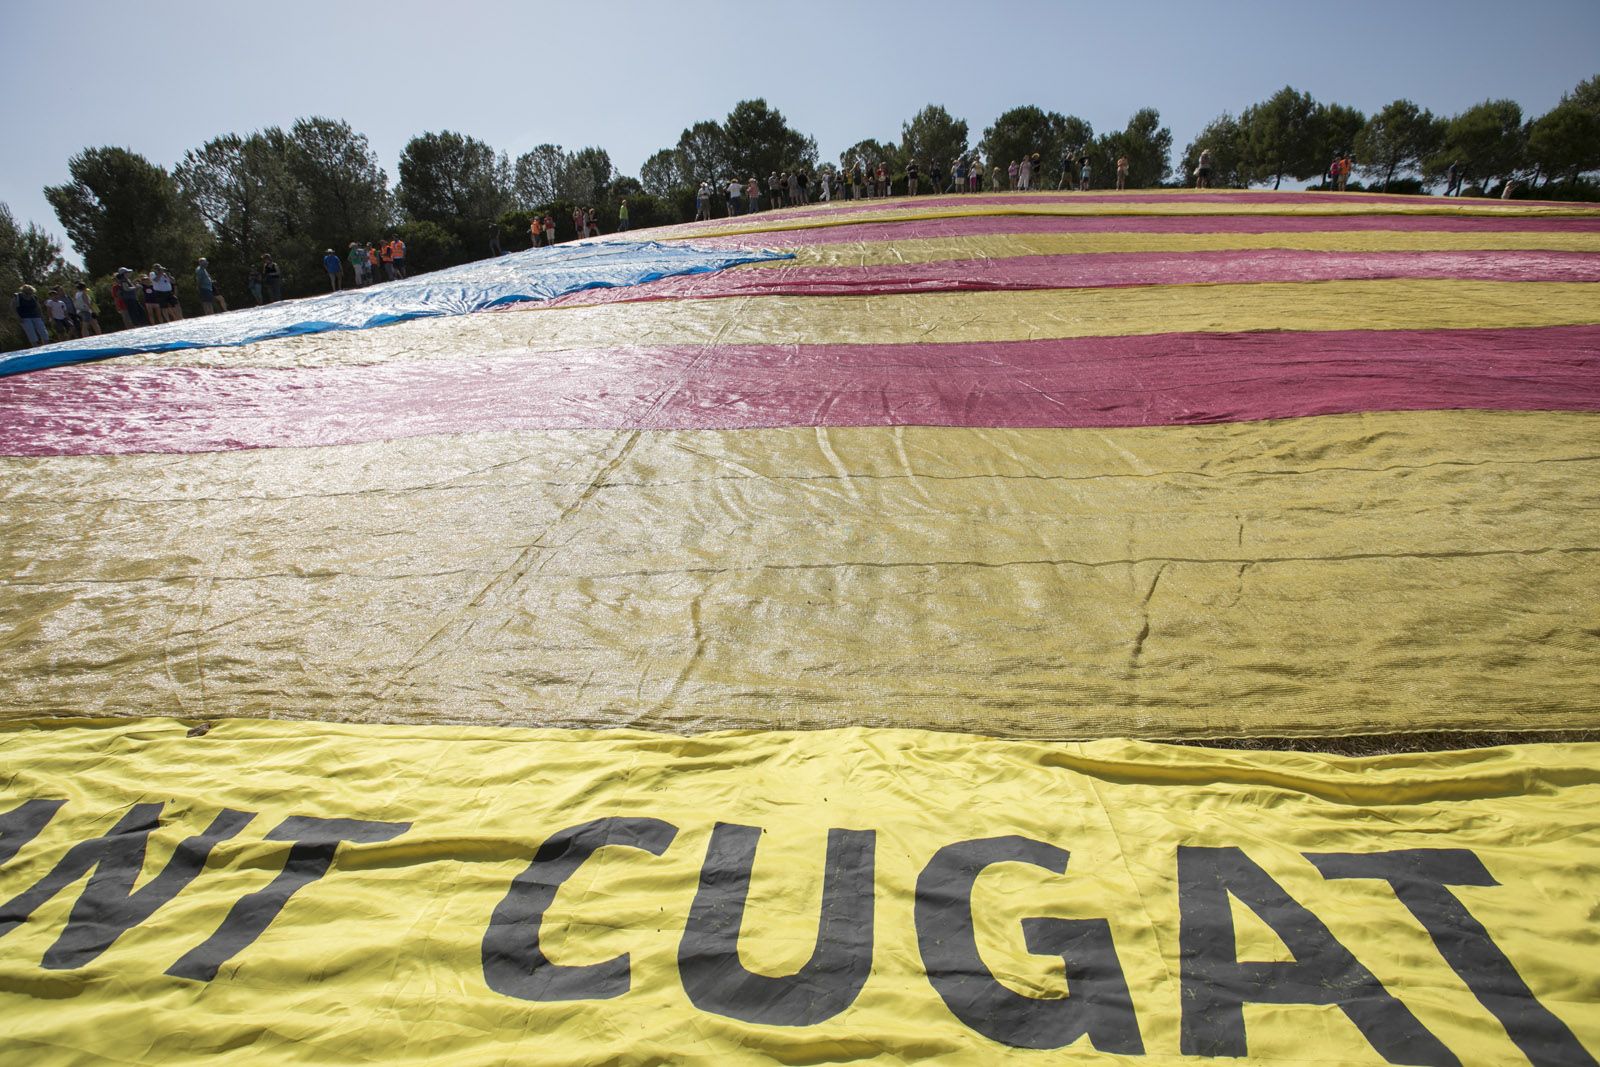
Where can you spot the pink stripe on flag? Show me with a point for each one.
(1106, 270)
(1165, 379)
(993, 225)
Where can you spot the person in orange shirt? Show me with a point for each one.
(386, 253)
(398, 247)
(372, 263)
(1344, 170)
(536, 231)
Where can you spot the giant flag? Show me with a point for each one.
(769, 646)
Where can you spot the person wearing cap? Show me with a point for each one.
(120, 303)
(335, 268)
(129, 301)
(166, 291)
(206, 287)
(25, 302)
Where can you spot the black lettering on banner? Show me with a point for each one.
(708, 955)
(1216, 986)
(109, 906)
(1419, 877)
(1097, 1001)
(513, 962)
(23, 823)
(315, 842)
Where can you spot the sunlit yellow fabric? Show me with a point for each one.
(381, 959)
(1003, 246)
(922, 317)
(1332, 575)
(907, 210)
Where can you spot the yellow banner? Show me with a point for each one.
(293, 893)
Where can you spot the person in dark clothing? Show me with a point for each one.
(26, 304)
(132, 298)
(271, 278)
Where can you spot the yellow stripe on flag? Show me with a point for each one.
(1003, 246)
(819, 216)
(1332, 575)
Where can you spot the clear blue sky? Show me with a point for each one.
(629, 76)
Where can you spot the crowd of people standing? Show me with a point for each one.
(148, 298)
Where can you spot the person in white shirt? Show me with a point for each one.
(166, 294)
(57, 305)
(88, 312)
